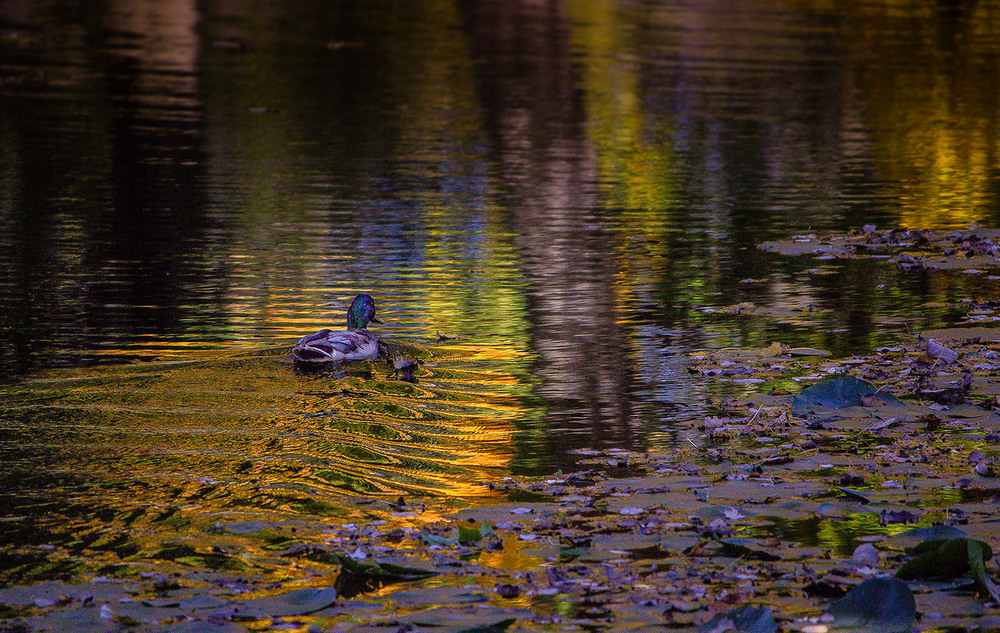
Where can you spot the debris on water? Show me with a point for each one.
(877, 604)
(404, 368)
(839, 393)
(751, 512)
(941, 353)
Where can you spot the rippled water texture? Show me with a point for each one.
(551, 203)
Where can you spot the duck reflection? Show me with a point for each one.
(535, 118)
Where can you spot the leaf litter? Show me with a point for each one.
(969, 250)
(804, 505)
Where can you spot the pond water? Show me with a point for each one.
(551, 202)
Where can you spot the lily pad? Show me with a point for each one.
(743, 548)
(911, 538)
(882, 605)
(301, 602)
(746, 619)
(952, 558)
(470, 535)
(840, 393)
(356, 578)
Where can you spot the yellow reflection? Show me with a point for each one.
(933, 125)
(513, 557)
(632, 155)
(266, 438)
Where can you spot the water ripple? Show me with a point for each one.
(223, 437)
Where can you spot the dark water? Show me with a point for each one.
(562, 189)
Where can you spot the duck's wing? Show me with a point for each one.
(326, 346)
(345, 342)
(312, 338)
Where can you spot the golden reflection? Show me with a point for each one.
(223, 436)
(929, 123)
(634, 156)
(513, 557)
(510, 184)
(933, 125)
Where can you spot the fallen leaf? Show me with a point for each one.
(838, 393)
(877, 605)
(746, 619)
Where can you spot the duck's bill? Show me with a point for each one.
(375, 319)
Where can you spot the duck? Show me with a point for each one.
(328, 346)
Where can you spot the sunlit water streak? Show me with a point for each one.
(246, 437)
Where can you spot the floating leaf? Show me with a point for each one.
(939, 352)
(433, 539)
(470, 535)
(984, 469)
(912, 538)
(741, 548)
(301, 602)
(855, 495)
(575, 541)
(944, 558)
(496, 627)
(746, 619)
(838, 393)
(878, 425)
(651, 552)
(186, 555)
(882, 605)
(806, 351)
(890, 517)
(985, 586)
(355, 577)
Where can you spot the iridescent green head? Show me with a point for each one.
(362, 311)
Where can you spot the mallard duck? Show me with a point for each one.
(356, 343)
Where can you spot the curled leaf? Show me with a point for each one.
(939, 352)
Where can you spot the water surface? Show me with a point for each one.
(551, 202)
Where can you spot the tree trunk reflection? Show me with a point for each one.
(535, 118)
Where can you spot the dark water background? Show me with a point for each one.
(562, 189)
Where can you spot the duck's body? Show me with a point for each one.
(327, 346)
(355, 343)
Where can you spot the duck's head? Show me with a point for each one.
(362, 311)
